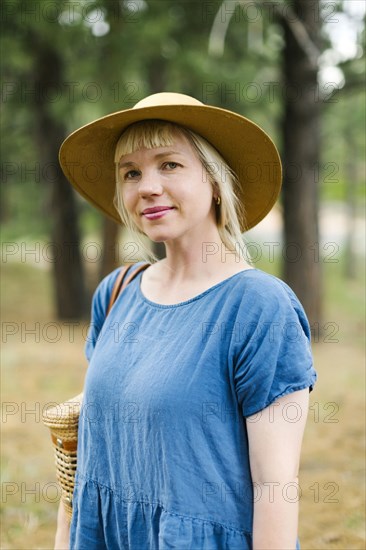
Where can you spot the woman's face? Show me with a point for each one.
(172, 177)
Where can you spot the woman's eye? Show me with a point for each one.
(131, 175)
(170, 165)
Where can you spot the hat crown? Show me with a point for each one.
(166, 98)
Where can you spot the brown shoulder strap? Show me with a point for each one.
(117, 286)
(122, 281)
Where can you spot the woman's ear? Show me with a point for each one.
(216, 190)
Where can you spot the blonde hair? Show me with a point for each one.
(159, 133)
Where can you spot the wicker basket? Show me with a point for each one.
(63, 420)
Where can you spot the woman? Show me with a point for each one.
(196, 394)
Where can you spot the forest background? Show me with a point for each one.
(295, 67)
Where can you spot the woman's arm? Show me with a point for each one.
(63, 529)
(275, 436)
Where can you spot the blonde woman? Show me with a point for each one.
(196, 395)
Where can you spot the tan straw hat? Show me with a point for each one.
(87, 155)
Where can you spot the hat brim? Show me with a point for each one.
(87, 155)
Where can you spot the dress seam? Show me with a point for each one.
(159, 503)
(190, 300)
(288, 391)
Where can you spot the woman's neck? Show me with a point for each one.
(201, 262)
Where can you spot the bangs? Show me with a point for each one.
(145, 135)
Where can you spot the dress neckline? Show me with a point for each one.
(194, 298)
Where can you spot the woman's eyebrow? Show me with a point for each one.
(125, 164)
(157, 156)
(168, 153)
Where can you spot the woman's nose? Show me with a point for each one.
(149, 184)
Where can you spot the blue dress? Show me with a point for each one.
(163, 449)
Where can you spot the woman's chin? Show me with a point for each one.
(158, 238)
(159, 235)
(155, 237)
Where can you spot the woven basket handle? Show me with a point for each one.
(122, 281)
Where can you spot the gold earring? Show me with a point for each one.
(218, 201)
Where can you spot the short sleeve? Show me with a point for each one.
(99, 307)
(274, 355)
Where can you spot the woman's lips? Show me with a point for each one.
(156, 215)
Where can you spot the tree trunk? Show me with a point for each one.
(351, 204)
(111, 258)
(69, 282)
(301, 146)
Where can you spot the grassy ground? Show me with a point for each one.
(49, 365)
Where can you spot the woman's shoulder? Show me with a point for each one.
(259, 290)
(265, 298)
(104, 289)
(107, 282)
(266, 284)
